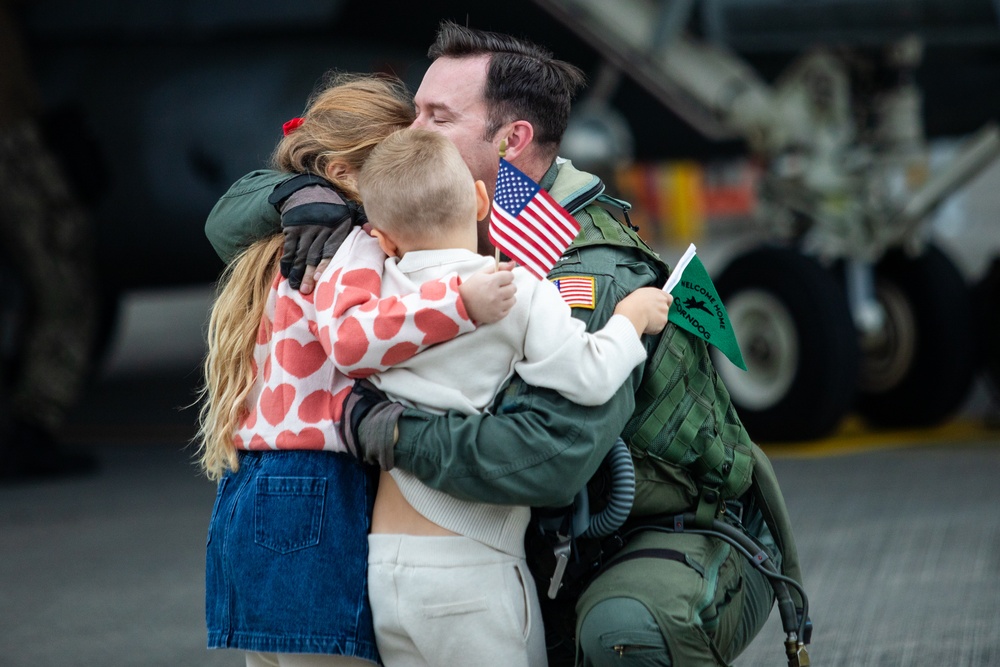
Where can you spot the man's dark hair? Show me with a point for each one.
(523, 81)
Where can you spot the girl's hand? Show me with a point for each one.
(488, 295)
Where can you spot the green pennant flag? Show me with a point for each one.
(697, 307)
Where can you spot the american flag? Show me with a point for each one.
(528, 225)
(576, 291)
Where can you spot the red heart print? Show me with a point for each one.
(275, 403)
(307, 438)
(300, 360)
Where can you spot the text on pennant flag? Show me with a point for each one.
(698, 309)
(526, 224)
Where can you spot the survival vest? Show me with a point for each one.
(684, 430)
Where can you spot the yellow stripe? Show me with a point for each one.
(853, 438)
(687, 209)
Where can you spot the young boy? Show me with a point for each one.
(447, 578)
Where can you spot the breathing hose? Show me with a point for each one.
(622, 494)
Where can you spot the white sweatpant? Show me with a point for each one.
(443, 601)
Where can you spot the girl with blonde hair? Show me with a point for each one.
(287, 544)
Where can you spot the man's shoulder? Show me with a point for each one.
(260, 179)
(574, 188)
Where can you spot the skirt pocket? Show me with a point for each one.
(288, 512)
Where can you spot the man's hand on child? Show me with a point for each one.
(647, 308)
(488, 295)
(315, 220)
(368, 425)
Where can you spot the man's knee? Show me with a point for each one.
(621, 631)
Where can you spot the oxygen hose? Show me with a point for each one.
(622, 494)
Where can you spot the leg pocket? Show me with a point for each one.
(473, 605)
(520, 598)
(288, 512)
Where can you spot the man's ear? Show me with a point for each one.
(385, 242)
(519, 138)
(483, 202)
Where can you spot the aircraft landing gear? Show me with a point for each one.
(13, 301)
(918, 369)
(792, 320)
(987, 315)
(808, 364)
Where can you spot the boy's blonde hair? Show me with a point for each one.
(344, 121)
(415, 184)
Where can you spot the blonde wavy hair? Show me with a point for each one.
(343, 122)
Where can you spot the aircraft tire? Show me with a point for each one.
(792, 320)
(920, 369)
(13, 314)
(987, 315)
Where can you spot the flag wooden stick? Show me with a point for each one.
(503, 153)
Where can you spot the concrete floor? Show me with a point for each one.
(899, 543)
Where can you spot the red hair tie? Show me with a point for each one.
(292, 125)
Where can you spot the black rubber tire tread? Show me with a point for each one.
(824, 386)
(940, 377)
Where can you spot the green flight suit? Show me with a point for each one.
(539, 449)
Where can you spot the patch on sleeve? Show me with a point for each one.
(577, 291)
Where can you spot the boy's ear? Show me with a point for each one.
(483, 202)
(385, 242)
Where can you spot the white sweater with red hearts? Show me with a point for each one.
(297, 399)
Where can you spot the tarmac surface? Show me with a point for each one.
(898, 534)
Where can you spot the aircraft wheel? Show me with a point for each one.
(13, 304)
(920, 368)
(987, 309)
(795, 331)
(15, 314)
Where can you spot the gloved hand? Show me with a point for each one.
(315, 220)
(368, 425)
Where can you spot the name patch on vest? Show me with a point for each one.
(577, 291)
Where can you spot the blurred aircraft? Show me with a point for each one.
(159, 106)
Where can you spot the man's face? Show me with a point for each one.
(450, 101)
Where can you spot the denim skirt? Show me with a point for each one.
(287, 556)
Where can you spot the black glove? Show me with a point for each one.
(315, 220)
(368, 425)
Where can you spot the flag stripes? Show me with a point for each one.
(526, 224)
(577, 291)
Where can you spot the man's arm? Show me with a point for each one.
(539, 451)
(537, 448)
(243, 215)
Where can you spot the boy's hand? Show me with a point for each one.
(647, 308)
(488, 295)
